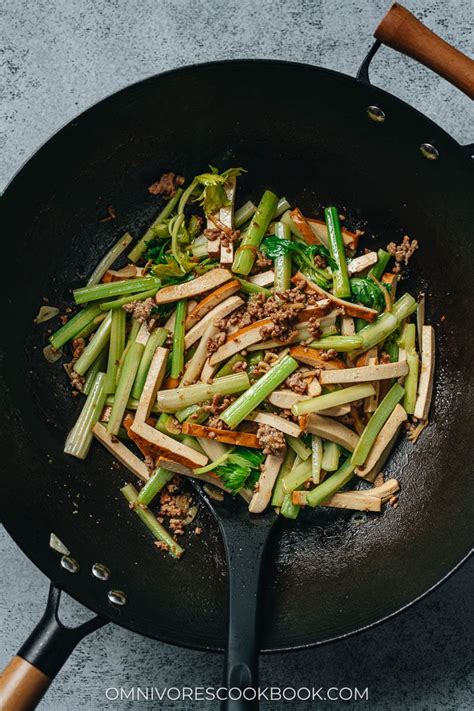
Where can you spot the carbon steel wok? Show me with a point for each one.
(317, 148)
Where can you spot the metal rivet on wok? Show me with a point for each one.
(100, 571)
(70, 564)
(376, 114)
(117, 597)
(429, 152)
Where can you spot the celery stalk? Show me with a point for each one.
(375, 424)
(331, 485)
(150, 521)
(95, 346)
(334, 399)
(411, 380)
(249, 400)
(79, 439)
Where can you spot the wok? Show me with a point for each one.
(317, 143)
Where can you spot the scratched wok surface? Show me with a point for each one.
(324, 576)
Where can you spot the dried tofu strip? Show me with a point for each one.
(208, 371)
(383, 444)
(153, 382)
(169, 325)
(338, 411)
(270, 470)
(263, 279)
(332, 430)
(195, 366)
(239, 340)
(352, 500)
(188, 289)
(146, 436)
(320, 230)
(121, 453)
(279, 423)
(162, 445)
(370, 403)
(218, 312)
(425, 385)
(313, 357)
(349, 309)
(360, 264)
(285, 399)
(244, 439)
(226, 218)
(355, 501)
(368, 373)
(347, 326)
(203, 307)
(385, 491)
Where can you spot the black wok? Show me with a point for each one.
(315, 143)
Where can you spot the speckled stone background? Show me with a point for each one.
(58, 57)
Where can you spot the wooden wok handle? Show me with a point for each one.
(27, 677)
(22, 686)
(402, 31)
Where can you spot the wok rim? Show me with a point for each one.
(229, 62)
(208, 66)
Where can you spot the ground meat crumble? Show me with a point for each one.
(271, 440)
(140, 310)
(226, 237)
(166, 185)
(297, 383)
(402, 252)
(240, 366)
(218, 404)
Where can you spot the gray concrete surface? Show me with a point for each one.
(57, 57)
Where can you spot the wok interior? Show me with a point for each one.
(305, 134)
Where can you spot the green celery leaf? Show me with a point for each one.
(366, 292)
(213, 196)
(273, 247)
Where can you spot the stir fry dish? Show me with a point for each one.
(257, 349)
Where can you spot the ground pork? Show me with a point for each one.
(218, 404)
(271, 440)
(215, 343)
(240, 366)
(328, 355)
(295, 295)
(247, 314)
(140, 310)
(283, 316)
(314, 327)
(78, 346)
(402, 252)
(216, 422)
(385, 357)
(226, 236)
(297, 383)
(166, 185)
(261, 263)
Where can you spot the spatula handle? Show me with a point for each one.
(241, 661)
(245, 545)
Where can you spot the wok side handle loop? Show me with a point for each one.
(403, 32)
(28, 675)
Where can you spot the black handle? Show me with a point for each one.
(28, 675)
(241, 659)
(51, 643)
(245, 540)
